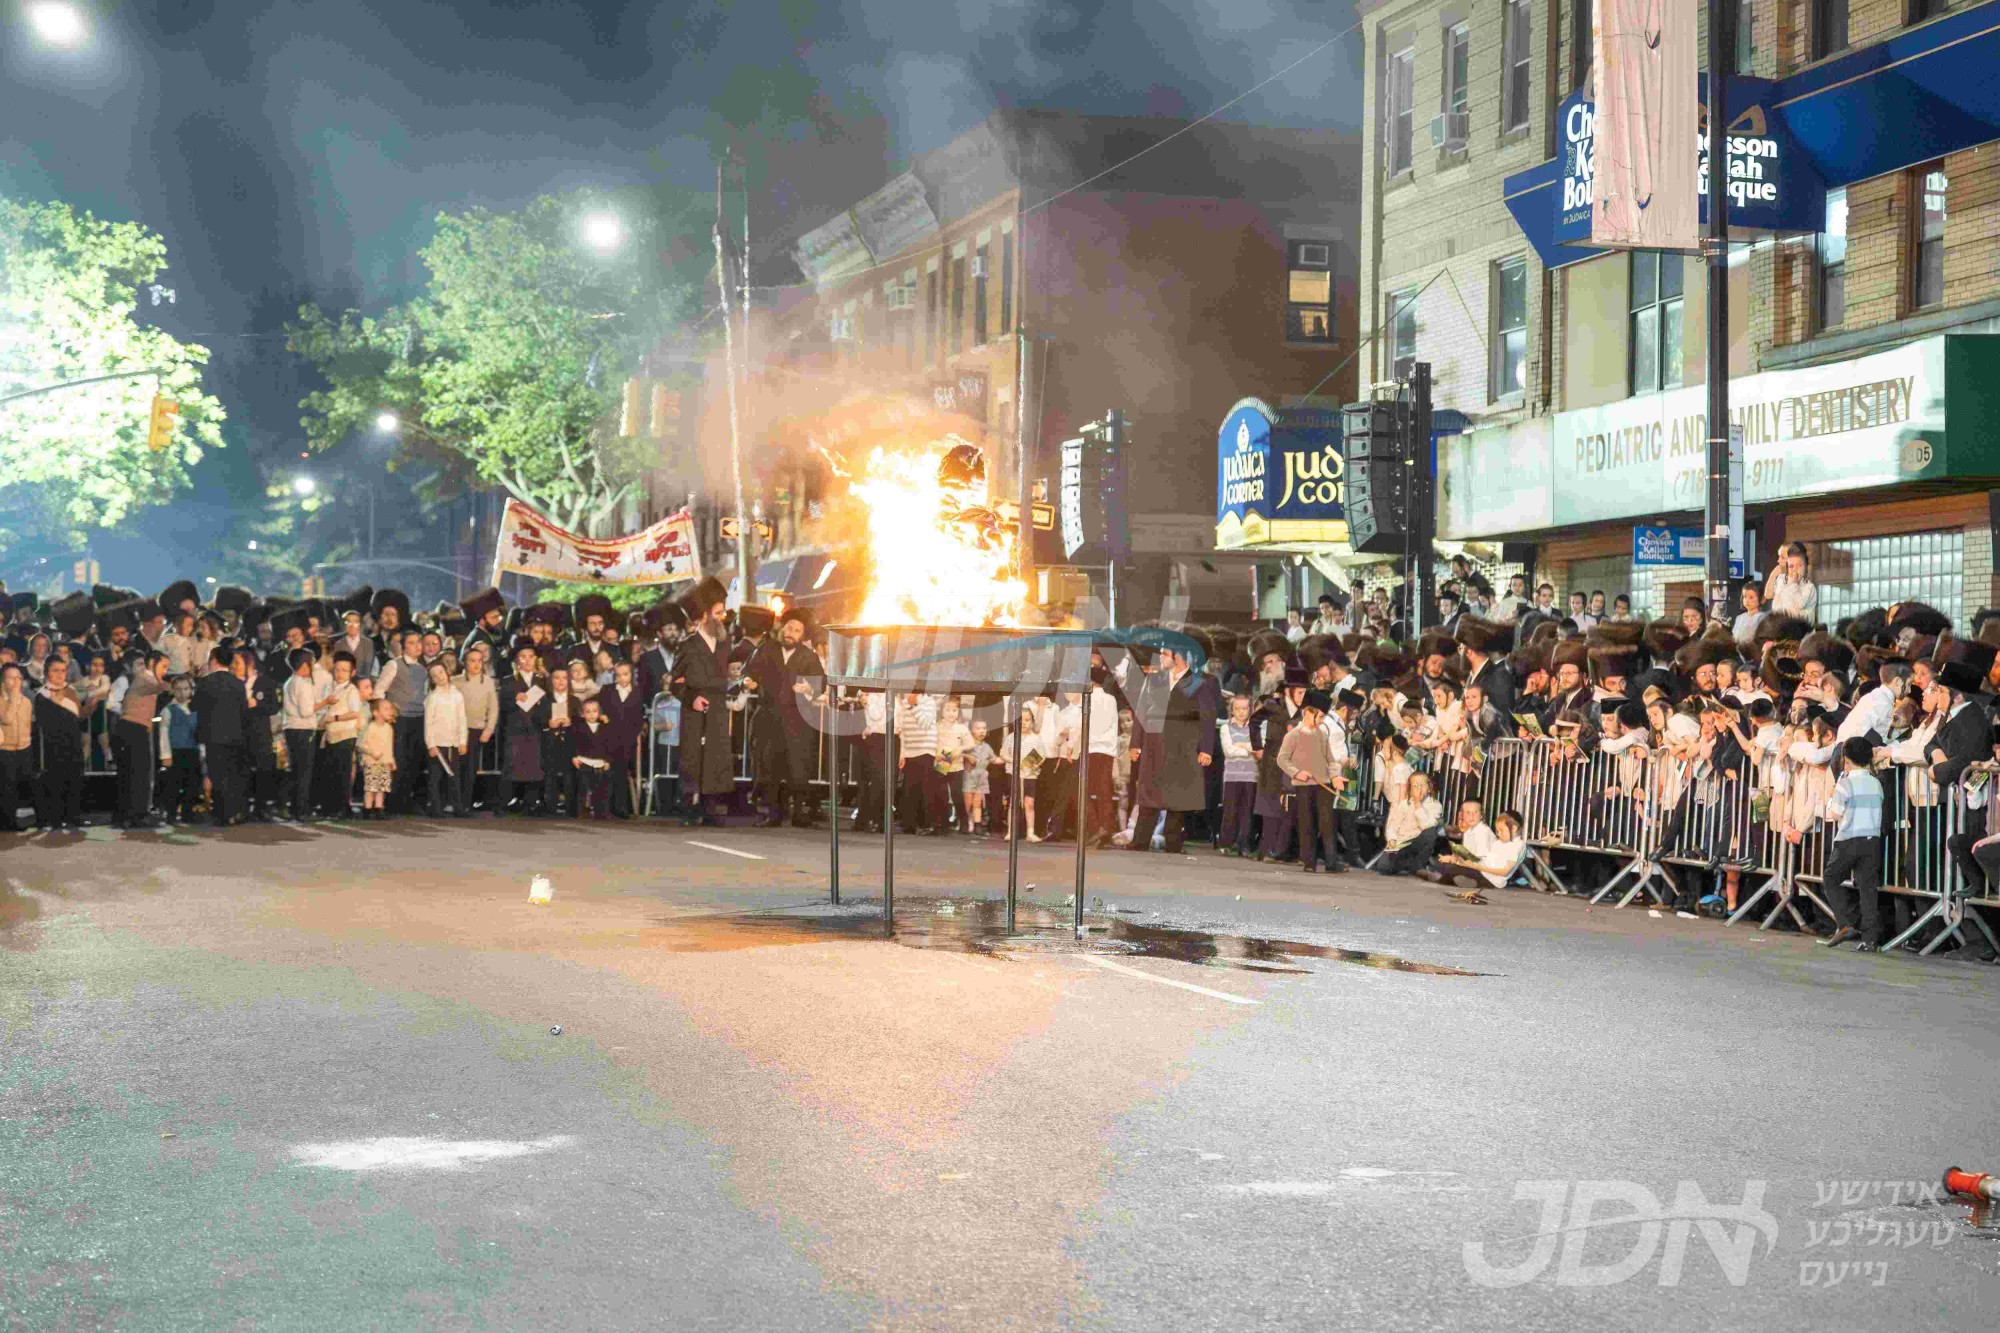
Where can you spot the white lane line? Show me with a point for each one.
(420, 1154)
(1110, 966)
(726, 851)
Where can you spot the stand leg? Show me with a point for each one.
(1012, 712)
(889, 816)
(833, 824)
(1082, 805)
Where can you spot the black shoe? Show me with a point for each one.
(1868, 946)
(1840, 937)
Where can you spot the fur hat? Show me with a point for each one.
(1989, 633)
(477, 605)
(1870, 627)
(1546, 633)
(1618, 634)
(1779, 628)
(1204, 646)
(755, 622)
(666, 614)
(181, 590)
(1390, 663)
(387, 597)
(1435, 643)
(291, 618)
(1715, 645)
(110, 594)
(594, 604)
(696, 601)
(553, 614)
(1966, 665)
(1268, 642)
(122, 613)
(1569, 652)
(1821, 647)
(802, 614)
(1778, 668)
(1484, 636)
(232, 597)
(1664, 638)
(73, 614)
(1612, 660)
(1527, 660)
(1226, 641)
(1912, 616)
(1869, 659)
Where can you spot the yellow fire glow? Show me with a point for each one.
(939, 559)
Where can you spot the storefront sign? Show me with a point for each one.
(1279, 477)
(1643, 174)
(1661, 547)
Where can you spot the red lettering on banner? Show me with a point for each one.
(528, 541)
(596, 561)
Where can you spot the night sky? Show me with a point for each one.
(291, 151)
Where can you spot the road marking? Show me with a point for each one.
(417, 1154)
(1110, 966)
(726, 851)
(1284, 1189)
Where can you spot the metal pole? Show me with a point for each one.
(1014, 815)
(1423, 510)
(888, 813)
(1715, 508)
(79, 383)
(743, 526)
(1024, 494)
(833, 787)
(1082, 802)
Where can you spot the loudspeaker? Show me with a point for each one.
(1371, 430)
(1377, 505)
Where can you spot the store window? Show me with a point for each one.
(982, 261)
(1402, 321)
(1399, 119)
(1309, 292)
(1517, 54)
(1829, 27)
(1745, 19)
(1919, 10)
(1006, 277)
(1832, 304)
(1508, 375)
(931, 302)
(1927, 255)
(1614, 574)
(955, 335)
(1457, 85)
(1581, 40)
(1655, 342)
(1927, 567)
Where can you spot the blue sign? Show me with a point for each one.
(1279, 475)
(1656, 548)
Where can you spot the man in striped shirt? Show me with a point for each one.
(1856, 809)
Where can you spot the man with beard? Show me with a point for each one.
(789, 678)
(222, 732)
(392, 615)
(487, 610)
(708, 768)
(593, 613)
(1175, 740)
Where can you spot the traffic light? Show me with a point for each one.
(1375, 438)
(166, 416)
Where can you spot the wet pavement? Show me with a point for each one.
(310, 1078)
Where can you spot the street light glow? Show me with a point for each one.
(603, 232)
(386, 423)
(302, 485)
(58, 23)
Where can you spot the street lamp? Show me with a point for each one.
(386, 423)
(603, 232)
(302, 485)
(58, 23)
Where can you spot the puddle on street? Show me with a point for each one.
(978, 926)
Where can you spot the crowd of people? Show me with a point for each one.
(1328, 743)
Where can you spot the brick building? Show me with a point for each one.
(1216, 266)
(1860, 318)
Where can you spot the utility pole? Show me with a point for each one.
(1422, 511)
(1024, 493)
(744, 530)
(1715, 510)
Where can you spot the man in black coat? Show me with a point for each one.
(1174, 740)
(708, 766)
(524, 716)
(788, 677)
(1485, 644)
(59, 730)
(1964, 738)
(222, 729)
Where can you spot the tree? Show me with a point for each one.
(514, 356)
(76, 458)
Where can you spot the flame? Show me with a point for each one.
(939, 555)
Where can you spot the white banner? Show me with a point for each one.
(1648, 103)
(530, 544)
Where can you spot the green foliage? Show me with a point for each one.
(623, 598)
(77, 459)
(514, 357)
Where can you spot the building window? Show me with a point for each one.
(930, 314)
(1745, 19)
(1927, 267)
(1829, 27)
(1508, 376)
(981, 262)
(1515, 62)
(1402, 322)
(1919, 10)
(1882, 571)
(1309, 293)
(1399, 86)
(1006, 280)
(955, 335)
(1581, 41)
(1833, 260)
(1656, 321)
(1457, 78)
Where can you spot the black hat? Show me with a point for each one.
(696, 601)
(594, 604)
(799, 613)
(1819, 646)
(1318, 700)
(230, 597)
(553, 614)
(291, 618)
(387, 597)
(73, 614)
(1297, 677)
(181, 590)
(1965, 666)
(110, 594)
(479, 604)
(1484, 636)
(1350, 698)
(666, 614)
(357, 601)
(517, 616)
(25, 601)
(755, 621)
(123, 613)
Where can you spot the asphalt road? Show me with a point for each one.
(305, 1079)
